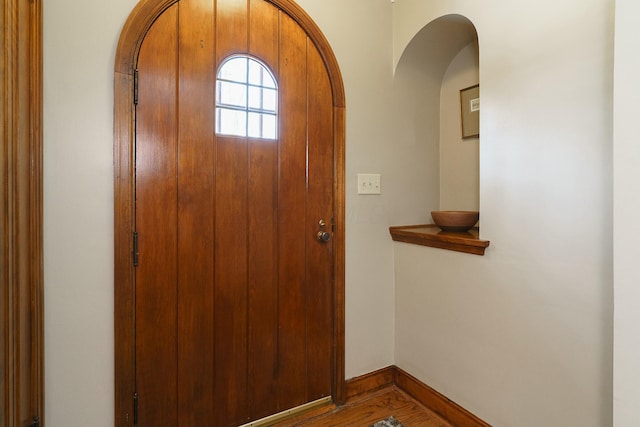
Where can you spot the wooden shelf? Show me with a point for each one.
(430, 235)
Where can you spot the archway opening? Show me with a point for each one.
(440, 61)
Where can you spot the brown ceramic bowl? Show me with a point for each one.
(455, 220)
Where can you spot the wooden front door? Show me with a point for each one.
(234, 298)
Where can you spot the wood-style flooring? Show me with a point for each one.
(368, 409)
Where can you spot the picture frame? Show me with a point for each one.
(470, 111)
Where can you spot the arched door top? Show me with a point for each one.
(147, 11)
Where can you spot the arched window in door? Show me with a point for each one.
(246, 99)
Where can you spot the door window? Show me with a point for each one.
(246, 99)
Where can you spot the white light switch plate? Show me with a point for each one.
(368, 183)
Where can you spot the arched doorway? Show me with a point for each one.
(216, 309)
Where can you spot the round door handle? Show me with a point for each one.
(323, 236)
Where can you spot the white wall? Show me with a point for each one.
(626, 390)
(80, 38)
(523, 336)
(79, 47)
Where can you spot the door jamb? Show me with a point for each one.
(131, 37)
(21, 213)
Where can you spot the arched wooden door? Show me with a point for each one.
(232, 297)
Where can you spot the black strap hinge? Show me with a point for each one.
(135, 87)
(135, 409)
(135, 253)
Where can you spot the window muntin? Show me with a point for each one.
(246, 99)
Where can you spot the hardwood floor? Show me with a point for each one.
(368, 409)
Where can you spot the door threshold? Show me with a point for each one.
(271, 419)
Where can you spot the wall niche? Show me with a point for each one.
(440, 61)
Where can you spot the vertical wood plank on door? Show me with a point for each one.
(262, 275)
(231, 28)
(156, 186)
(320, 206)
(231, 288)
(263, 32)
(196, 405)
(230, 309)
(263, 236)
(291, 221)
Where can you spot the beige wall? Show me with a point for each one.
(79, 46)
(626, 391)
(523, 336)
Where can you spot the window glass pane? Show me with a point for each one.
(231, 122)
(262, 126)
(255, 97)
(235, 69)
(254, 128)
(255, 73)
(269, 126)
(262, 99)
(232, 94)
(259, 75)
(269, 97)
(267, 79)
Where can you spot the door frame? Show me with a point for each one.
(131, 37)
(21, 213)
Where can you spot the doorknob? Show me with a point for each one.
(323, 236)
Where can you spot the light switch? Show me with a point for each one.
(368, 183)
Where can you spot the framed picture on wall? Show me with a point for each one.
(470, 111)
